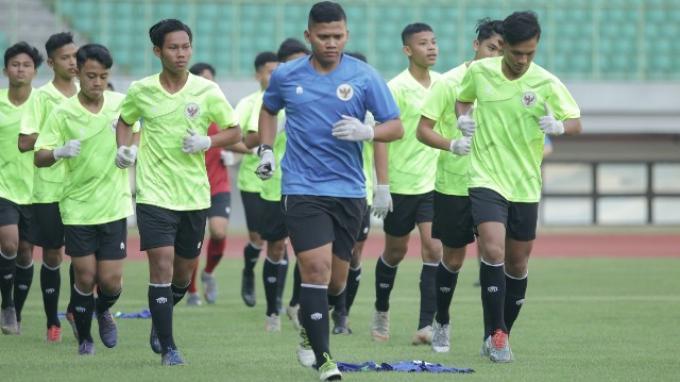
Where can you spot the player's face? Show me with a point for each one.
(328, 41)
(518, 57)
(263, 74)
(422, 49)
(94, 78)
(176, 51)
(20, 70)
(63, 61)
(490, 47)
(207, 74)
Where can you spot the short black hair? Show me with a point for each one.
(23, 47)
(96, 52)
(159, 30)
(487, 28)
(358, 55)
(412, 29)
(199, 67)
(289, 47)
(264, 58)
(56, 41)
(520, 27)
(326, 12)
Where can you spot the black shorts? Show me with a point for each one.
(273, 226)
(407, 211)
(253, 206)
(519, 218)
(161, 227)
(220, 205)
(106, 241)
(365, 226)
(48, 229)
(452, 223)
(17, 214)
(314, 221)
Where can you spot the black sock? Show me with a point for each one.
(105, 301)
(384, 282)
(22, 284)
(339, 302)
(295, 298)
(516, 290)
(71, 282)
(7, 270)
(50, 282)
(281, 282)
(492, 280)
(178, 293)
(428, 295)
(83, 305)
(314, 318)
(160, 306)
(270, 278)
(446, 286)
(353, 278)
(250, 255)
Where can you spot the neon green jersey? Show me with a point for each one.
(166, 176)
(246, 109)
(507, 148)
(440, 106)
(411, 164)
(47, 181)
(16, 182)
(95, 190)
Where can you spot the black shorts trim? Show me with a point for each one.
(106, 241)
(161, 227)
(365, 227)
(220, 205)
(407, 211)
(48, 229)
(520, 219)
(452, 223)
(20, 215)
(253, 206)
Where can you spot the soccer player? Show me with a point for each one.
(517, 104)
(96, 199)
(324, 197)
(48, 229)
(173, 193)
(452, 223)
(411, 172)
(16, 184)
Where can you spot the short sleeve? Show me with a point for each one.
(129, 109)
(30, 120)
(379, 99)
(220, 109)
(467, 91)
(242, 110)
(137, 127)
(562, 103)
(273, 99)
(442, 94)
(51, 136)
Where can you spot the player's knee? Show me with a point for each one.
(84, 279)
(24, 258)
(355, 262)
(316, 272)
(9, 247)
(335, 287)
(52, 257)
(217, 234)
(255, 238)
(453, 258)
(516, 269)
(394, 253)
(276, 250)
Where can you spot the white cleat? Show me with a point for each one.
(292, 313)
(422, 336)
(272, 324)
(305, 353)
(380, 329)
(440, 338)
(209, 287)
(194, 299)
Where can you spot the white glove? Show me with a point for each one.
(461, 146)
(352, 129)
(69, 150)
(194, 143)
(126, 156)
(548, 123)
(382, 201)
(228, 158)
(466, 123)
(267, 165)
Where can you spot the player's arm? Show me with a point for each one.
(226, 137)
(425, 133)
(242, 147)
(572, 126)
(267, 126)
(50, 146)
(27, 142)
(389, 131)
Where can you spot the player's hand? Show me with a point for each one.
(267, 165)
(126, 156)
(69, 150)
(382, 201)
(548, 123)
(194, 143)
(467, 124)
(461, 146)
(352, 129)
(228, 158)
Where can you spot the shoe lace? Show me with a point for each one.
(499, 339)
(328, 364)
(305, 340)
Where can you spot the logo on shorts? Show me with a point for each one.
(271, 279)
(519, 302)
(192, 110)
(492, 289)
(365, 230)
(344, 92)
(198, 246)
(445, 289)
(316, 316)
(79, 309)
(49, 290)
(529, 99)
(227, 210)
(161, 300)
(122, 246)
(299, 90)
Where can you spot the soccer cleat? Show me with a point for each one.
(440, 338)
(272, 323)
(305, 353)
(340, 323)
(172, 358)
(422, 336)
(380, 329)
(8, 321)
(486, 345)
(108, 332)
(86, 348)
(72, 321)
(329, 370)
(53, 334)
(209, 286)
(193, 299)
(292, 313)
(154, 341)
(499, 351)
(248, 288)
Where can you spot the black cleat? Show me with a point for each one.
(248, 288)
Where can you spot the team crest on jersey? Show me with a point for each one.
(299, 90)
(344, 92)
(192, 110)
(529, 99)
